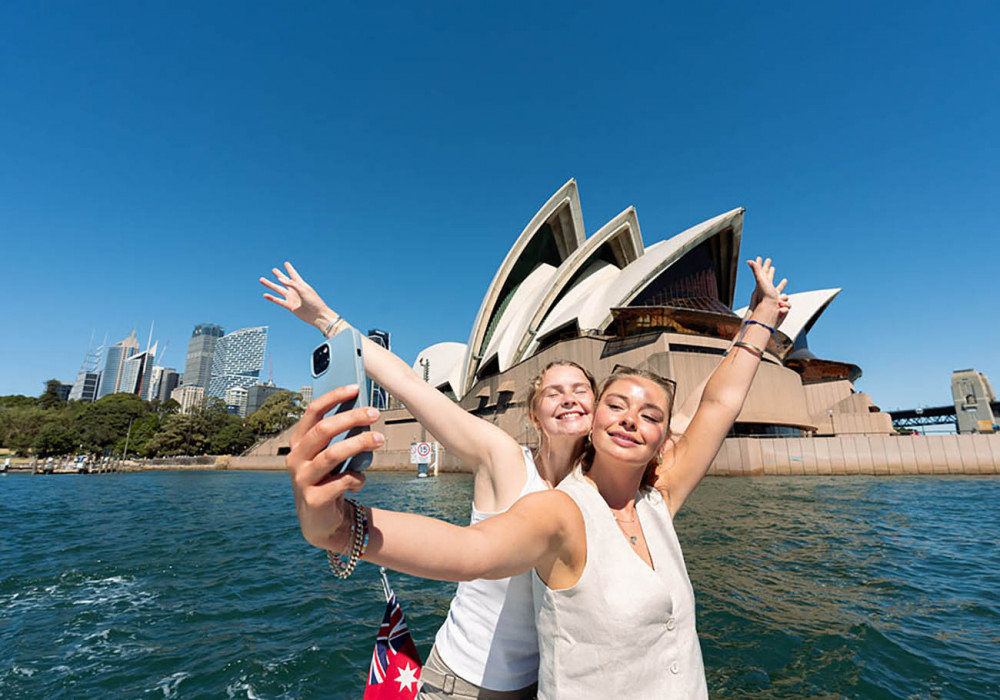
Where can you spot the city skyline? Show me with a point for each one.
(123, 368)
(391, 156)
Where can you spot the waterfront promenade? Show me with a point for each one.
(875, 455)
(878, 455)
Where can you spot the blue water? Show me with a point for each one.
(198, 584)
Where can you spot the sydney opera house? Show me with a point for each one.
(608, 299)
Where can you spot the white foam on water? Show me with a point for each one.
(168, 685)
(113, 589)
(241, 689)
(23, 671)
(88, 591)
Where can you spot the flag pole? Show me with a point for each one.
(386, 588)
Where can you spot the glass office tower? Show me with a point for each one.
(201, 348)
(237, 361)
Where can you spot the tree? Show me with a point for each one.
(105, 422)
(21, 425)
(50, 397)
(280, 411)
(179, 434)
(17, 401)
(168, 407)
(232, 439)
(54, 439)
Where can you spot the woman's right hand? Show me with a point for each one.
(319, 496)
(298, 297)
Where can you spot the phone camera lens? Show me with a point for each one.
(321, 359)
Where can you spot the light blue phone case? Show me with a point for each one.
(346, 366)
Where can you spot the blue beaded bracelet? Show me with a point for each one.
(758, 323)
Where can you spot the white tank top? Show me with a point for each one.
(489, 636)
(623, 628)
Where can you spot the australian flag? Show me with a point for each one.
(395, 669)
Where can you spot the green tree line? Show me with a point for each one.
(47, 426)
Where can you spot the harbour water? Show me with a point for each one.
(198, 584)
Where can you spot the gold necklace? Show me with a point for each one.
(634, 517)
(633, 539)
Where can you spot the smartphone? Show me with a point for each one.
(338, 362)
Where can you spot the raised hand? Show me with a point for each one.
(766, 291)
(319, 496)
(297, 296)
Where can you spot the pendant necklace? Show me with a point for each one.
(633, 539)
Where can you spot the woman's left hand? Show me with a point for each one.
(297, 296)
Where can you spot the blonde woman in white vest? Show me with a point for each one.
(614, 606)
(488, 643)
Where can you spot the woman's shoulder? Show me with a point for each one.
(551, 505)
(652, 495)
(574, 481)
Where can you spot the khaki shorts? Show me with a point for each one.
(438, 682)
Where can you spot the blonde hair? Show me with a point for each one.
(536, 384)
(622, 372)
(532, 399)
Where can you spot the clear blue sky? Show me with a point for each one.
(156, 158)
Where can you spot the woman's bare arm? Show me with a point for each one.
(531, 533)
(724, 393)
(534, 532)
(478, 444)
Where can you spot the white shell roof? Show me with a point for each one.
(570, 306)
(517, 315)
(658, 257)
(622, 231)
(807, 307)
(445, 363)
(566, 197)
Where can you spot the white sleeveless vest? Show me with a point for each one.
(489, 636)
(623, 630)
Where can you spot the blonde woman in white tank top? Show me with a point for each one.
(488, 643)
(615, 608)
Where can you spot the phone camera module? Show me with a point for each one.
(320, 359)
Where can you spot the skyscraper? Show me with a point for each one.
(137, 374)
(307, 394)
(88, 380)
(237, 361)
(258, 394)
(85, 387)
(165, 383)
(236, 400)
(201, 348)
(190, 398)
(114, 364)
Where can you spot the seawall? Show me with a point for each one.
(886, 455)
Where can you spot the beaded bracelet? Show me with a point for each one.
(758, 323)
(359, 542)
(364, 530)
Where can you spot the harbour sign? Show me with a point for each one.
(420, 453)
